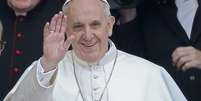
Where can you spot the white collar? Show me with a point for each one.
(18, 13)
(186, 11)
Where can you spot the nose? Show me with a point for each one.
(88, 34)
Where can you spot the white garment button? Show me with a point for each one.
(95, 89)
(192, 77)
(95, 76)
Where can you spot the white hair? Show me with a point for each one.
(106, 6)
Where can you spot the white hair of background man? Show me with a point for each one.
(106, 6)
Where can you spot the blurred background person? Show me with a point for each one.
(2, 43)
(127, 34)
(172, 33)
(23, 22)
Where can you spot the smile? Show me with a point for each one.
(89, 44)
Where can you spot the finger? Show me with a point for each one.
(53, 23)
(192, 64)
(181, 62)
(177, 54)
(175, 58)
(46, 29)
(180, 49)
(188, 48)
(59, 21)
(68, 42)
(64, 24)
(188, 65)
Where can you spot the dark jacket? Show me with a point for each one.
(24, 40)
(163, 34)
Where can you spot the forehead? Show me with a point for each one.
(85, 9)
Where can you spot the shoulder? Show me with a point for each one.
(136, 68)
(137, 64)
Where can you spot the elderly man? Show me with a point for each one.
(94, 70)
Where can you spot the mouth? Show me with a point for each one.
(88, 44)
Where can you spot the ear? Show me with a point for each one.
(111, 22)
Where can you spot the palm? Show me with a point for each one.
(55, 45)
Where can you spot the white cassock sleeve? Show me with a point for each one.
(44, 78)
(29, 88)
(174, 90)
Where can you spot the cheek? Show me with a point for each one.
(104, 35)
(21, 3)
(103, 40)
(106, 31)
(35, 2)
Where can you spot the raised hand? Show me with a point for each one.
(186, 57)
(54, 44)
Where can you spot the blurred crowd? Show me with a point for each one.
(166, 32)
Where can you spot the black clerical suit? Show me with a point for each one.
(24, 40)
(163, 33)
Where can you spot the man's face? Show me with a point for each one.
(91, 27)
(22, 5)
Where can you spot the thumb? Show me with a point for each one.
(68, 42)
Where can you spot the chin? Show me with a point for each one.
(22, 6)
(89, 54)
(89, 57)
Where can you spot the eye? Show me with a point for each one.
(77, 27)
(95, 24)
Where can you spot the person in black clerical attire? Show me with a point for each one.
(126, 32)
(172, 32)
(23, 22)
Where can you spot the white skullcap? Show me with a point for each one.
(67, 1)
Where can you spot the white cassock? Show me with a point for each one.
(130, 78)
